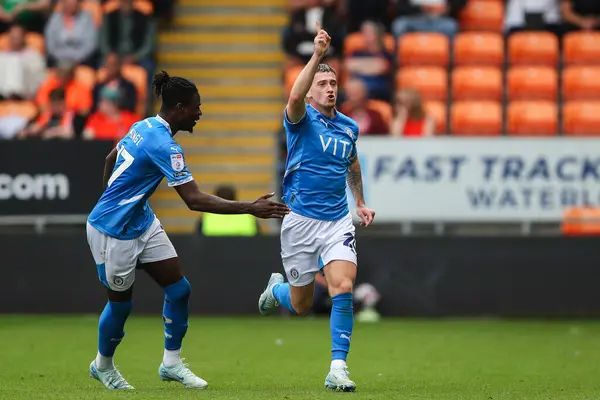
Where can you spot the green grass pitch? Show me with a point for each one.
(46, 357)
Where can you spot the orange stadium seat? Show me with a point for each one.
(382, 107)
(476, 118)
(289, 78)
(476, 83)
(91, 6)
(581, 221)
(355, 42)
(143, 6)
(26, 109)
(532, 118)
(532, 83)
(533, 48)
(581, 118)
(34, 41)
(437, 111)
(424, 49)
(431, 82)
(581, 83)
(478, 48)
(581, 48)
(482, 15)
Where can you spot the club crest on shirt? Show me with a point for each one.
(177, 162)
(350, 133)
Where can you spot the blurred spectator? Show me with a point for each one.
(360, 11)
(130, 34)
(227, 224)
(299, 36)
(580, 14)
(410, 118)
(78, 95)
(11, 125)
(108, 122)
(29, 13)
(374, 64)
(56, 122)
(366, 297)
(528, 15)
(427, 16)
(71, 34)
(114, 79)
(163, 10)
(369, 121)
(22, 70)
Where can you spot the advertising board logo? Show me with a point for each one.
(34, 187)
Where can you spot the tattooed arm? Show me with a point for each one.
(354, 180)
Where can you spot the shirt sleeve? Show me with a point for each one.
(291, 126)
(170, 161)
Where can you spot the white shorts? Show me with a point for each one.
(116, 259)
(307, 245)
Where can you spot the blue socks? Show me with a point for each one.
(110, 327)
(281, 292)
(340, 325)
(175, 313)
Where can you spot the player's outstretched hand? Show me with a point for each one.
(322, 41)
(366, 215)
(265, 208)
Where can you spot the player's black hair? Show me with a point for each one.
(173, 89)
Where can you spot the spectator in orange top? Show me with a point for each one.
(108, 122)
(78, 95)
(54, 123)
(410, 118)
(370, 122)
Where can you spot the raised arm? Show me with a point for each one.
(354, 180)
(200, 201)
(295, 107)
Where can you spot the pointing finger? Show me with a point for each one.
(318, 27)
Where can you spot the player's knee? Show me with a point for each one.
(178, 291)
(344, 285)
(302, 306)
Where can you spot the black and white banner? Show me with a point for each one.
(51, 177)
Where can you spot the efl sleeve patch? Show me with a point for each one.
(177, 162)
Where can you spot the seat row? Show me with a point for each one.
(487, 48)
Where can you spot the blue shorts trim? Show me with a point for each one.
(321, 266)
(102, 274)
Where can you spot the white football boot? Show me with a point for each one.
(338, 380)
(182, 374)
(267, 302)
(111, 378)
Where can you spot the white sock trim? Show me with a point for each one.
(338, 364)
(103, 363)
(172, 357)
